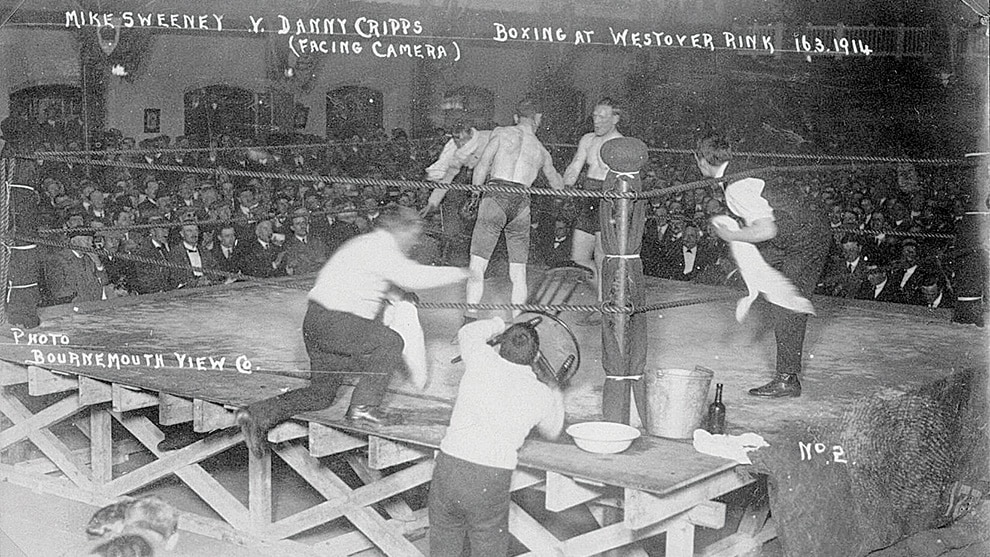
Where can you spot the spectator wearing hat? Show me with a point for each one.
(78, 274)
(878, 286)
(344, 226)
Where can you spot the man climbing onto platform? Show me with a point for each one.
(514, 156)
(501, 398)
(343, 331)
(793, 241)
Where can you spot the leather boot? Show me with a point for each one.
(373, 415)
(782, 385)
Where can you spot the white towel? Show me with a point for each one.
(733, 447)
(761, 277)
(403, 318)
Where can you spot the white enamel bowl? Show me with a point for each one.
(603, 437)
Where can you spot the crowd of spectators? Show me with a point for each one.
(270, 227)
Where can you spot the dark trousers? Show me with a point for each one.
(469, 509)
(788, 329)
(337, 341)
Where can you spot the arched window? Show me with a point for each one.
(48, 114)
(353, 110)
(474, 104)
(224, 110)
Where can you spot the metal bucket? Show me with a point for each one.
(676, 401)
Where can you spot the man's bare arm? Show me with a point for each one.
(556, 182)
(485, 164)
(573, 169)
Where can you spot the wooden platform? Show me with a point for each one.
(188, 354)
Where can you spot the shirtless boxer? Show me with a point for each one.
(587, 249)
(513, 157)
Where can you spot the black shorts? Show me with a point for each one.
(587, 218)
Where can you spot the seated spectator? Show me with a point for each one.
(878, 287)
(225, 250)
(190, 260)
(933, 294)
(844, 275)
(723, 272)
(689, 258)
(908, 271)
(148, 276)
(556, 250)
(78, 276)
(260, 256)
(304, 253)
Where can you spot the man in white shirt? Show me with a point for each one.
(793, 240)
(499, 400)
(464, 150)
(342, 329)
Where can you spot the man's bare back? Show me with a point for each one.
(518, 155)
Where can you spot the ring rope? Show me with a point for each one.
(665, 150)
(344, 179)
(601, 307)
(468, 187)
(327, 144)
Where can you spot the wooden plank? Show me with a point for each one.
(260, 488)
(46, 441)
(354, 542)
(643, 509)
(41, 466)
(396, 507)
(611, 537)
(174, 410)
(710, 514)
(326, 441)
(351, 502)
(44, 382)
(12, 374)
(563, 492)
(680, 538)
(188, 522)
(174, 460)
(92, 391)
(205, 486)
(45, 417)
(741, 543)
(383, 453)
(523, 478)
(208, 416)
(287, 431)
(100, 445)
(127, 398)
(531, 533)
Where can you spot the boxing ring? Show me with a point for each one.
(81, 418)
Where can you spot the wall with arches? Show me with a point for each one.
(177, 64)
(29, 57)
